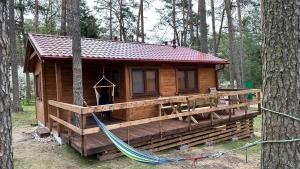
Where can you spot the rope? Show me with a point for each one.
(153, 159)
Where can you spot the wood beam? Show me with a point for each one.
(58, 83)
(66, 124)
(166, 117)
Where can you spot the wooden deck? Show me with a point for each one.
(146, 135)
(187, 122)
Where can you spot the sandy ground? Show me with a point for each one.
(29, 153)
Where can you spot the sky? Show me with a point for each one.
(151, 18)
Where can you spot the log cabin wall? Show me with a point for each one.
(168, 86)
(92, 72)
(39, 102)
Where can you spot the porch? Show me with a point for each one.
(181, 120)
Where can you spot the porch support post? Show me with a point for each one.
(127, 94)
(58, 83)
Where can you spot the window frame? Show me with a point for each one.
(38, 86)
(185, 72)
(145, 93)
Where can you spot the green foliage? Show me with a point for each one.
(88, 23)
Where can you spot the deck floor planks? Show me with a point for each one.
(99, 142)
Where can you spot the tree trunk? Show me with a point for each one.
(174, 19)
(234, 67)
(27, 79)
(242, 54)
(69, 17)
(36, 16)
(203, 27)
(121, 18)
(63, 25)
(214, 27)
(190, 11)
(77, 65)
(6, 153)
(220, 31)
(142, 21)
(138, 25)
(110, 20)
(281, 79)
(16, 106)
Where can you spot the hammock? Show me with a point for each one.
(132, 152)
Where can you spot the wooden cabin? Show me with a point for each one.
(155, 85)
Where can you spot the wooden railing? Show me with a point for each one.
(235, 99)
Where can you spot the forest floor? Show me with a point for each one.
(29, 153)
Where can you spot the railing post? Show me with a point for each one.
(59, 126)
(69, 120)
(159, 113)
(82, 127)
(259, 99)
(50, 121)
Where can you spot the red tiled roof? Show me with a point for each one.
(56, 47)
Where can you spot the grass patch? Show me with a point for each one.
(24, 118)
(229, 145)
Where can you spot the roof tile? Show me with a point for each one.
(52, 46)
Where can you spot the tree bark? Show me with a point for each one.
(174, 19)
(220, 31)
(138, 25)
(142, 21)
(36, 16)
(242, 54)
(281, 79)
(63, 25)
(16, 106)
(234, 66)
(77, 65)
(203, 27)
(190, 11)
(121, 19)
(69, 17)
(6, 153)
(110, 20)
(27, 79)
(214, 27)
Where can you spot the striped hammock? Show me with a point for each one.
(132, 152)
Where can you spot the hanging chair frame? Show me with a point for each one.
(97, 86)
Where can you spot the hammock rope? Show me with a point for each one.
(98, 85)
(147, 158)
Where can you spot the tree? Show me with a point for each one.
(6, 154)
(36, 16)
(88, 23)
(190, 11)
(63, 24)
(242, 63)
(16, 106)
(234, 67)
(214, 27)
(203, 27)
(140, 18)
(281, 79)
(76, 52)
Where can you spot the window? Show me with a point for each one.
(144, 82)
(37, 86)
(187, 80)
